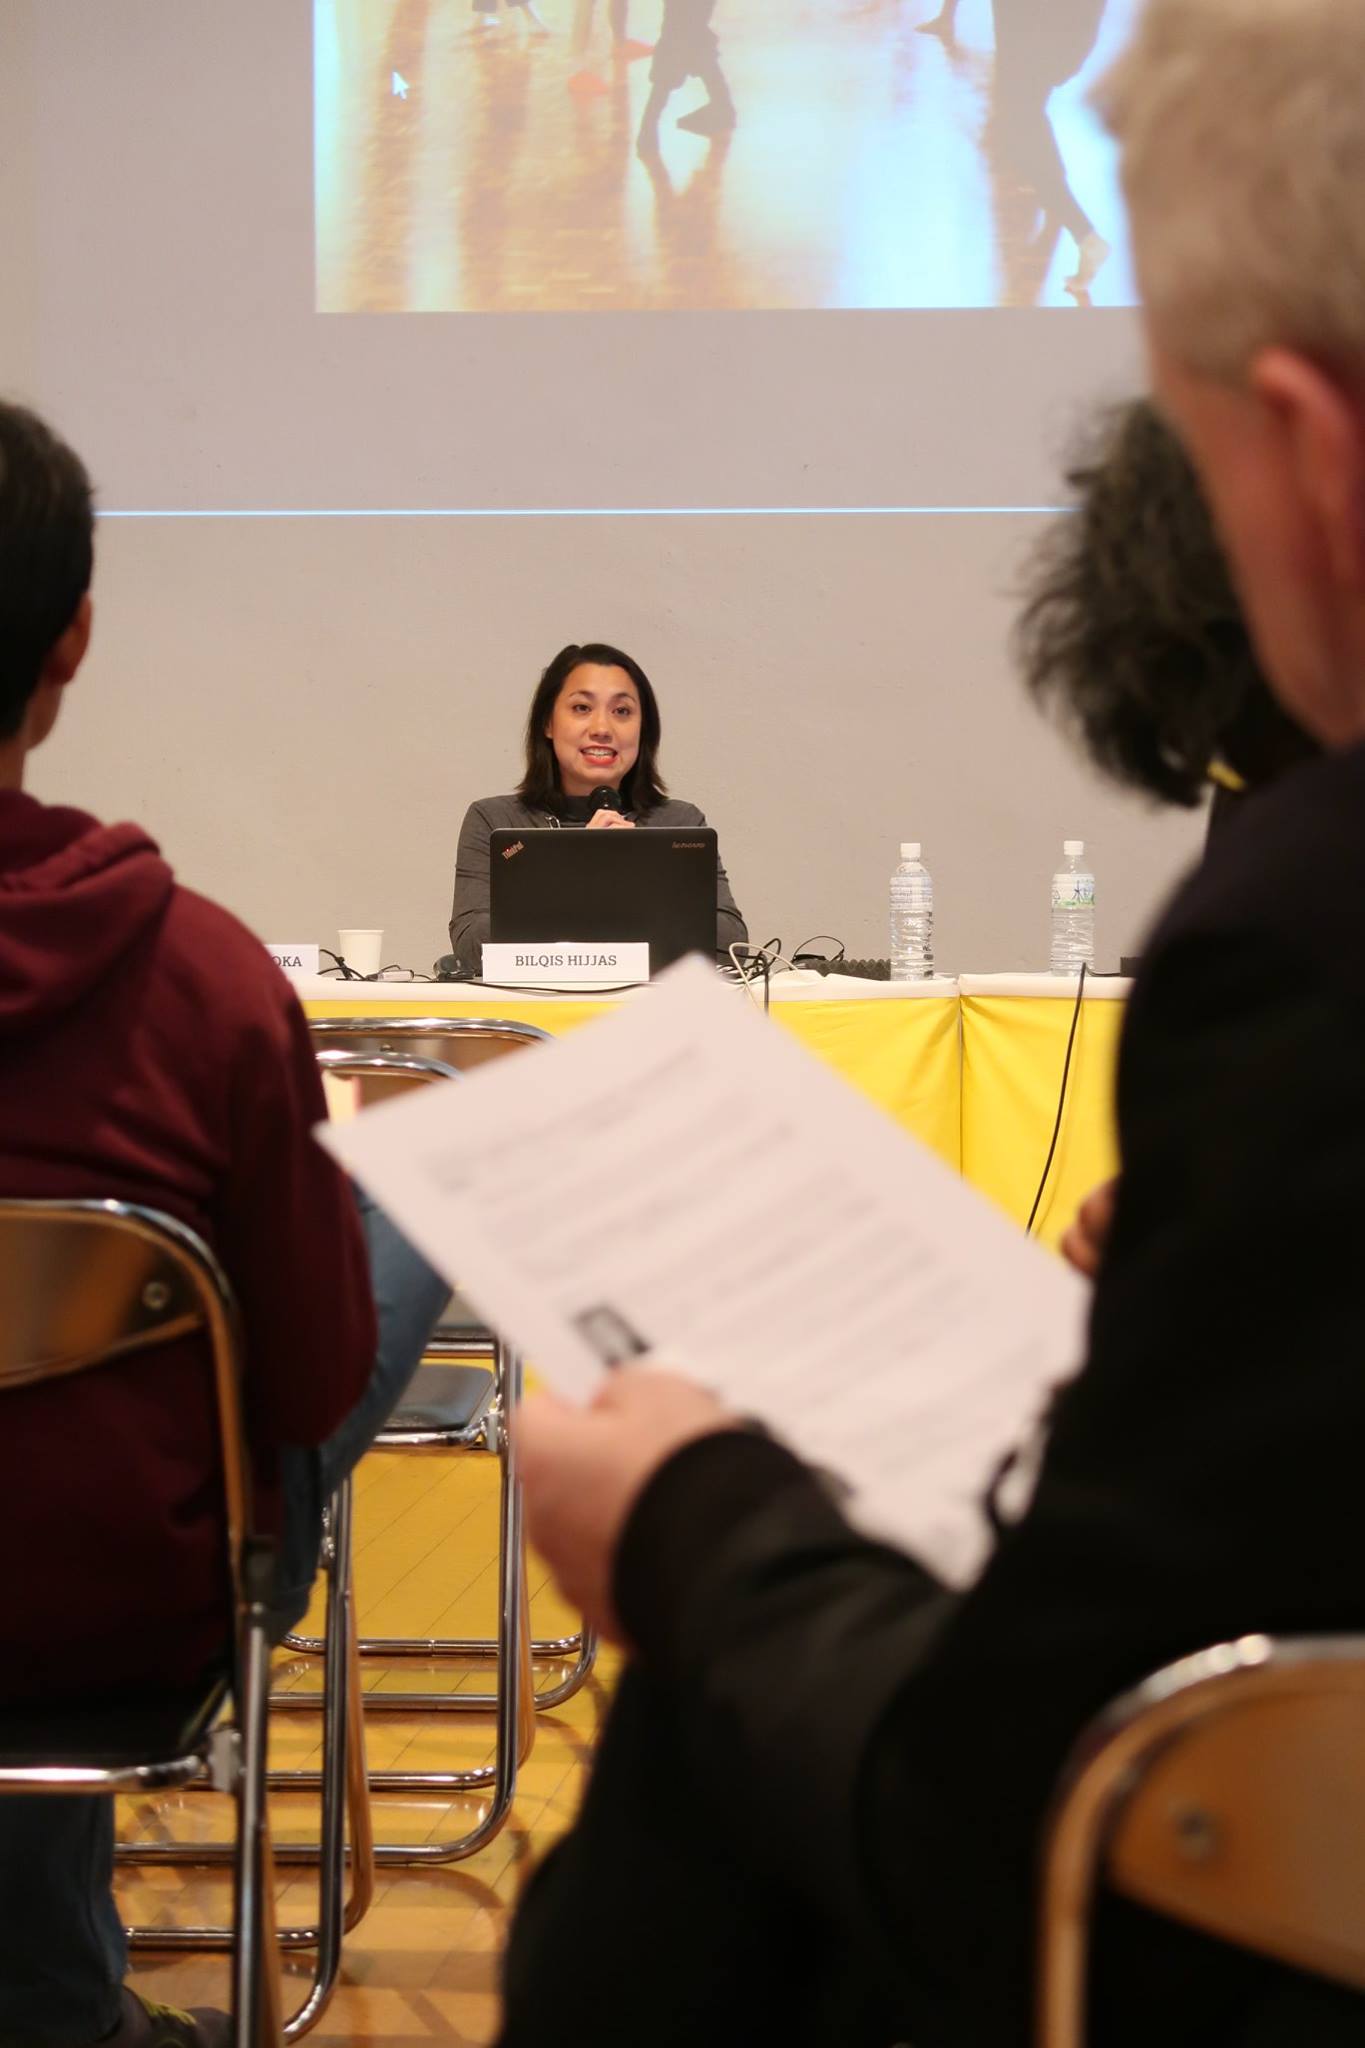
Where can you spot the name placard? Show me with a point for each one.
(567, 963)
(294, 960)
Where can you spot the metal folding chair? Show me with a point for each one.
(477, 1424)
(435, 1048)
(83, 1286)
(1228, 1792)
(345, 1826)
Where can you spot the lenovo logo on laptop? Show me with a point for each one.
(518, 846)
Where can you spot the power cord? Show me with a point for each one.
(757, 960)
(1061, 1100)
(765, 960)
(343, 969)
(803, 957)
(838, 962)
(993, 1499)
(586, 991)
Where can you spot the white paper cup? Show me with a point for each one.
(362, 951)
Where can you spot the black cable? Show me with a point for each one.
(803, 949)
(343, 968)
(587, 991)
(1061, 1102)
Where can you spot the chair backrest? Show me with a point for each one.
(85, 1284)
(1228, 1792)
(378, 1076)
(459, 1042)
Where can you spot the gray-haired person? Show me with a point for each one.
(817, 1810)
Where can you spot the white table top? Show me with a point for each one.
(789, 987)
(1099, 988)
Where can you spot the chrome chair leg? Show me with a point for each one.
(359, 1815)
(339, 1669)
(484, 1776)
(574, 1680)
(515, 1720)
(255, 1987)
(581, 1645)
(514, 1716)
(342, 1725)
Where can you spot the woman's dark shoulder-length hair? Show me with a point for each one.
(642, 787)
(1132, 628)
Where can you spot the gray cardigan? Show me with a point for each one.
(469, 912)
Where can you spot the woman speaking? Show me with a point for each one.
(593, 725)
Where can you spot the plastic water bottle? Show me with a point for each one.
(912, 917)
(1073, 911)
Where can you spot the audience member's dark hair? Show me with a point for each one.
(46, 553)
(642, 787)
(1133, 630)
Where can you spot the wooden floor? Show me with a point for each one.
(471, 168)
(422, 1967)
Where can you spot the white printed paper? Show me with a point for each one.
(680, 1183)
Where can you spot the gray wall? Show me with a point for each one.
(302, 708)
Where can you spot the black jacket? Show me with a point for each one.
(892, 1749)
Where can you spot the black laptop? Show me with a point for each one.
(654, 884)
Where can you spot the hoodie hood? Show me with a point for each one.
(75, 895)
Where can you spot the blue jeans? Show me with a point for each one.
(408, 1300)
(62, 1950)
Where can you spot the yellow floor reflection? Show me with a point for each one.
(662, 154)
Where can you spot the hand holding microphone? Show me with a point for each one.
(608, 813)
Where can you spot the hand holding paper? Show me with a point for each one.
(584, 1470)
(761, 1228)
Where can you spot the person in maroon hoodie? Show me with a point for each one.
(150, 1052)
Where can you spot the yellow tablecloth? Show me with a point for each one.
(1014, 1036)
(901, 1053)
(973, 1069)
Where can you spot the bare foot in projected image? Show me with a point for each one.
(1094, 254)
(687, 48)
(943, 25)
(487, 21)
(708, 119)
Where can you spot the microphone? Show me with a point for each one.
(606, 800)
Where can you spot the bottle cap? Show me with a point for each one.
(910, 849)
(1071, 847)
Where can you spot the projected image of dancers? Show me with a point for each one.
(619, 155)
